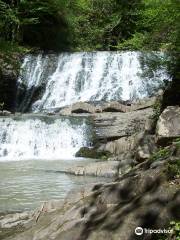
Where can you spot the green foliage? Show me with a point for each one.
(157, 110)
(50, 30)
(175, 226)
(176, 143)
(91, 24)
(173, 169)
(162, 153)
(34, 23)
(136, 42)
(175, 235)
(160, 23)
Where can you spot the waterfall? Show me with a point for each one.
(41, 137)
(49, 81)
(95, 76)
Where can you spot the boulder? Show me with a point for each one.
(5, 113)
(120, 146)
(150, 126)
(143, 104)
(122, 157)
(13, 220)
(112, 126)
(145, 147)
(168, 125)
(114, 107)
(83, 107)
(100, 169)
(92, 153)
(105, 107)
(65, 111)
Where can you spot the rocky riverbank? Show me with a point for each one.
(144, 165)
(148, 196)
(119, 127)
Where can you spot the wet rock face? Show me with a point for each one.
(92, 153)
(82, 107)
(8, 87)
(120, 146)
(9, 72)
(168, 125)
(107, 107)
(26, 97)
(112, 126)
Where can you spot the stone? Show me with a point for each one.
(146, 147)
(13, 220)
(114, 107)
(143, 104)
(92, 153)
(168, 125)
(122, 157)
(112, 126)
(65, 111)
(5, 113)
(150, 126)
(122, 145)
(83, 107)
(97, 169)
(112, 210)
(95, 108)
(156, 164)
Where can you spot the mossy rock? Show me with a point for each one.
(92, 153)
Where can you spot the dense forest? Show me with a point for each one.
(86, 25)
(92, 25)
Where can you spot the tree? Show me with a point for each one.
(34, 23)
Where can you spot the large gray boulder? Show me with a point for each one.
(109, 107)
(114, 107)
(168, 125)
(119, 146)
(83, 107)
(142, 104)
(97, 169)
(145, 147)
(112, 126)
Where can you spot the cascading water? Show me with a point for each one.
(51, 81)
(85, 76)
(27, 138)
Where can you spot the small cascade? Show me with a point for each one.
(49, 81)
(95, 76)
(28, 138)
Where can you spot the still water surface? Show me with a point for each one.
(24, 185)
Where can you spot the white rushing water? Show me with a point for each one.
(51, 81)
(29, 138)
(95, 76)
